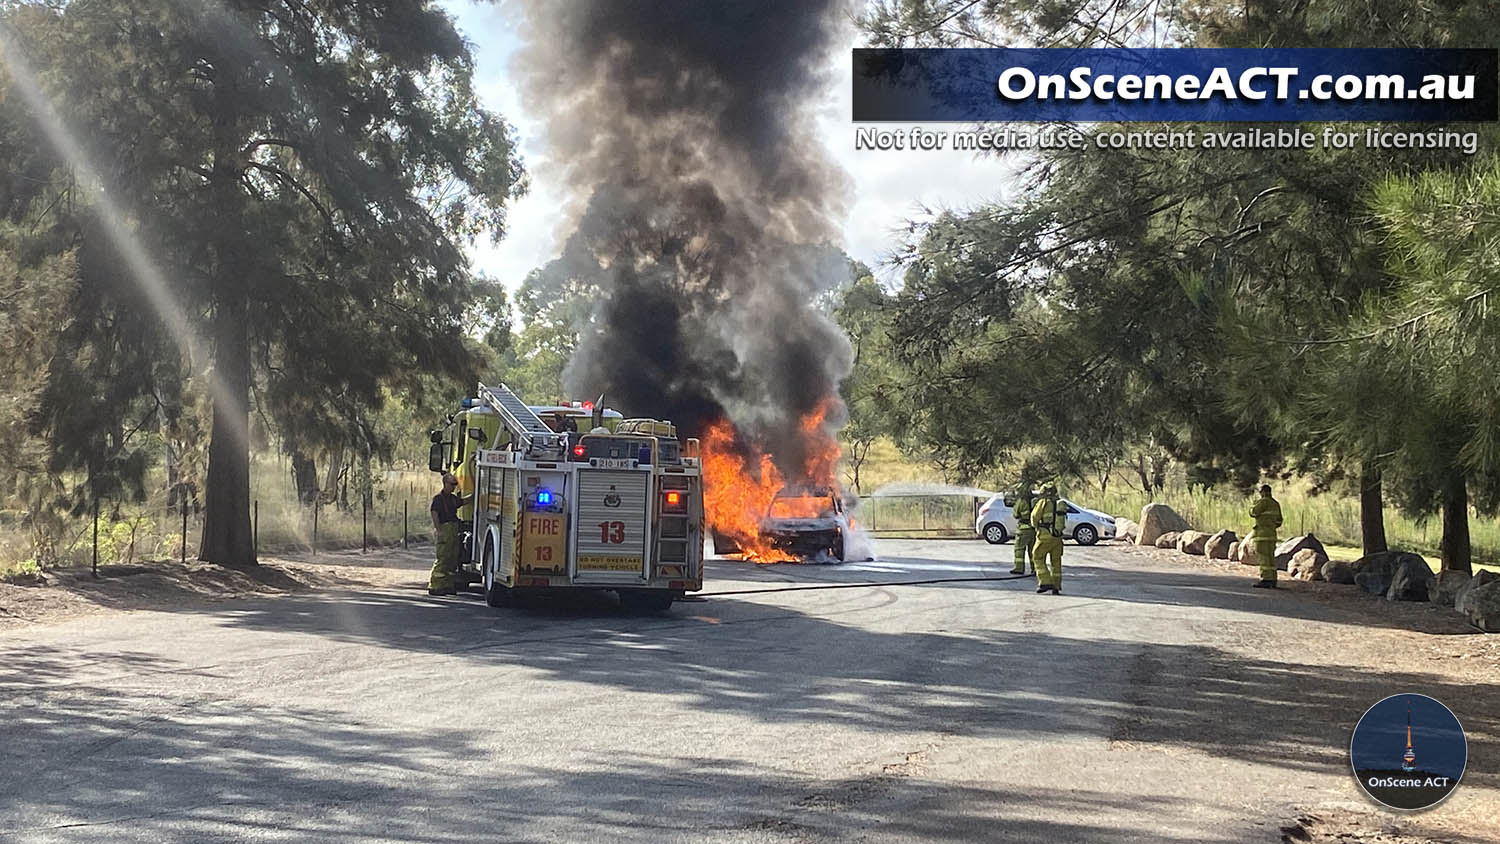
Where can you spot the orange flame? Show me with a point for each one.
(738, 490)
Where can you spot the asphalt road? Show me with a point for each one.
(1151, 702)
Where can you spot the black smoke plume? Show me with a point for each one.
(706, 208)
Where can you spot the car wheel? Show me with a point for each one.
(1085, 535)
(994, 533)
(838, 548)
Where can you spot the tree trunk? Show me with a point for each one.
(335, 470)
(226, 521)
(1455, 545)
(367, 480)
(1159, 465)
(305, 478)
(1140, 469)
(1371, 511)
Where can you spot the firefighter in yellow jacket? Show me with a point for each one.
(445, 527)
(1267, 515)
(1049, 517)
(1025, 533)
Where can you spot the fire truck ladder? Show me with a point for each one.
(536, 440)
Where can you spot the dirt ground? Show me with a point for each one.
(1292, 660)
(1445, 641)
(64, 594)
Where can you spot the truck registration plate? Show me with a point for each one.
(612, 463)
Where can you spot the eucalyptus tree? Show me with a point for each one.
(1196, 283)
(305, 172)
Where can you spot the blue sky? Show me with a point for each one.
(888, 187)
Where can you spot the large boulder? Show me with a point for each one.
(1338, 571)
(1481, 579)
(1373, 572)
(1220, 546)
(1483, 607)
(1168, 539)
(1245, 553)
(1412, 580)
(1307, 564)
(1126, 530)
(1288, 549)
(1192, 542)
(1448, 584)
(1157, 519)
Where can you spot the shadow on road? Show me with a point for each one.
(101, 764)
(154, 764)
(778, 663)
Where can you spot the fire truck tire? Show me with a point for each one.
(645, 603)
(496, 594)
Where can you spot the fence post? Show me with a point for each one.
(316, 505)
(96, 538)
(364, 524)
(184, 529)
(255, 527)
(404, 513)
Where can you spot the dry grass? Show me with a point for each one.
(132, 532)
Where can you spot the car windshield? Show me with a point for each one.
(801, 507)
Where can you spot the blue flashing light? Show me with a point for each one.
(543, 497)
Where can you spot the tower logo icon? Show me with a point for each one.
(1388, 768)
(1409, 758)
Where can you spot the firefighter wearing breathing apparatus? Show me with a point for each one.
(1266, 512)
(1049, 517)
(445, 526)
(1025, 533)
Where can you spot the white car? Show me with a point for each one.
(997, 522)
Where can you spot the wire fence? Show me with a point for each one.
(169, 526)
(919, 515)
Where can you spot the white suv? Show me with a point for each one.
(997, 522)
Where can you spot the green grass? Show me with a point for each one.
(1333, 518)
(1354, 552)
(924, 515)
(24, 571)
(886, 464)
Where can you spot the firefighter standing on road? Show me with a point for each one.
(1025, 533)
(1049, 517)
(1267, 515)
(444, 580)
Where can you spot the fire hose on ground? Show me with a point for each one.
(865, 585)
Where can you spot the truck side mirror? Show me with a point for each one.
(435, 436)
(435, 457)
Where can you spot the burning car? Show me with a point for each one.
(799, 523)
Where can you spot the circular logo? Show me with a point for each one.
(1408, 752)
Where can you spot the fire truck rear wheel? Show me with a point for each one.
(645, 603)
(496, 594)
